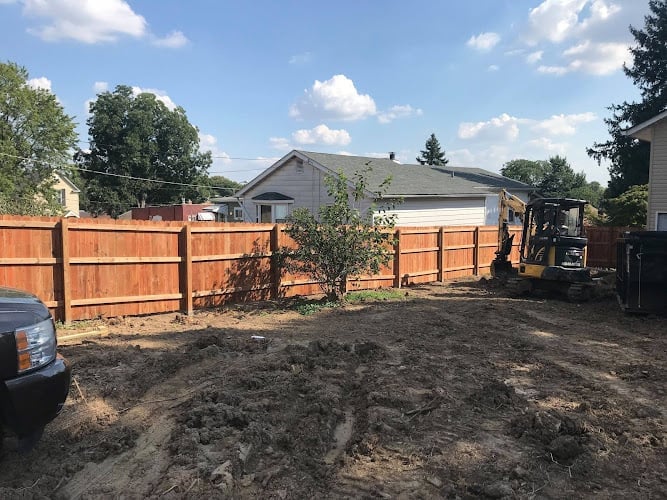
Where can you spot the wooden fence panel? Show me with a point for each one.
(88, 268)
(419, 254)
(602, 245)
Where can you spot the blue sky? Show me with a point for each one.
(495, 80)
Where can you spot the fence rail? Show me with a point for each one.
(84, 269)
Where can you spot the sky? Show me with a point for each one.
(494, 80)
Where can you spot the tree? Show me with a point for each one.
(135, 141)
(36, 138)
(345, 242)
(432, 155)
(222, 186)
(629, 157)
(629, 209)
(560, 180)
(527, 171)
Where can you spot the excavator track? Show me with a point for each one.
(579, 292)
(519, 286)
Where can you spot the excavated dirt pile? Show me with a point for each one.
(457, 390)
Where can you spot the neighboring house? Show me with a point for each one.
(67, 195)
(226, 209)
(431, 196)
(655, 132)
(182, 212)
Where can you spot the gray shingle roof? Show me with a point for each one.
(418, 180)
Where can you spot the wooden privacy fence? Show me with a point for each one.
(86, 268)
(602, 244)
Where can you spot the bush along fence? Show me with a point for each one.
(88, 268)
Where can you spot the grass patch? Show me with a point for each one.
(375, 295)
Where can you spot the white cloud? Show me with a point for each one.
(87, 22)
(503, 127)
(564, 124)
(483, 41)
(173, 40)
(160, 95)
(39, 83)
(336, 98)
(547, 145)
(303, 58)
(591, 58)
(322, 135)
(493, 67)
(280, 143)
(533, 57)
(399, 111)
(553, 70)
(508, 128)
(554, 20)
(99, 87)
(598, 58)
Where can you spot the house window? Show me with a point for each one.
(276, 212)
(661, 221)
(238, 213)
(60, 196)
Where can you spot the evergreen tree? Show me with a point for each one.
(629, 157)
(432, 155)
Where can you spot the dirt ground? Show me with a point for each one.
(455, 391)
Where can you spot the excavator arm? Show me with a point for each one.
(506, 202)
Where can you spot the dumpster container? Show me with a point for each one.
(641, 272)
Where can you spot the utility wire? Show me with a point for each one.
(122, 175)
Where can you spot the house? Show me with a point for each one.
(431, 195)
(226, 209)
(654, 131)
(67, 195)
(183, 212)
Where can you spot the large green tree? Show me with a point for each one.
(560, 179)
(140, 152)
(629, 158)
(629, 208)
(432, 154)
(554, 178)
(529, 171)
(36, 138)
(222, 186)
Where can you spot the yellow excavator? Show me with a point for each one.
(552, 254)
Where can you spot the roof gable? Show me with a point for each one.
(643, 130)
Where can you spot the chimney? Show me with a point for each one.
(392, 155)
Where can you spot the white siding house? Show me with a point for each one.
(655, 132)
(430, 196)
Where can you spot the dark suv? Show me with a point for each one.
(34, 379)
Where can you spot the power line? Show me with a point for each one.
(123, 176)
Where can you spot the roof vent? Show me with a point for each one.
(392, 155)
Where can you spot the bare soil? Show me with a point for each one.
(456, 391)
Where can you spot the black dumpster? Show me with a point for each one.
(641, 272)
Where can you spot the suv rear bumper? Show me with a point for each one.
(31, 401)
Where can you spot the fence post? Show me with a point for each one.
(64, 258)
(185, 251)
(475, 257)
(397, 259)
(276, 272)
(441, 254)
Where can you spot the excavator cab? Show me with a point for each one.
(553, 248)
